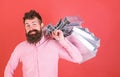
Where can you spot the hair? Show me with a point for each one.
(32, 14)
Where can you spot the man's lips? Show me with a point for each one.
(33, 32)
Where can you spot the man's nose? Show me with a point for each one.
(31, 27)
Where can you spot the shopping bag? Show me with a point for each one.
(84, 40)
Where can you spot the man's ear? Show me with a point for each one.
(42, 25)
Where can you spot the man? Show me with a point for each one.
(39, 54)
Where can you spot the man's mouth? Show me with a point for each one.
(33, 32)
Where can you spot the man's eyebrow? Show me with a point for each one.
(26, 23)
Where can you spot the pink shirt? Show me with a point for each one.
(41, 60)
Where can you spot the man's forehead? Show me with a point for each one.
(34, 20)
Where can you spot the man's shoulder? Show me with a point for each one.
(20, 47)
(22, 44)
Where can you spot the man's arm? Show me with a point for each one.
(12, 63)
(68, 50)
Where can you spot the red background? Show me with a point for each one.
(100, 16)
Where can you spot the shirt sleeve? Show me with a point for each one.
(69, 52)
(12, 63)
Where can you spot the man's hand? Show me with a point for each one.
(58, 35)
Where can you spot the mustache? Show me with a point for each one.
(36, 31)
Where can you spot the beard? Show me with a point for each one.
(34, 38)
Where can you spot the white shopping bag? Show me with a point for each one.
(85, 41)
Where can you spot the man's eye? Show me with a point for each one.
(34, 24)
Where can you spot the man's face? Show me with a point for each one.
(33, 30)
(31, 24)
